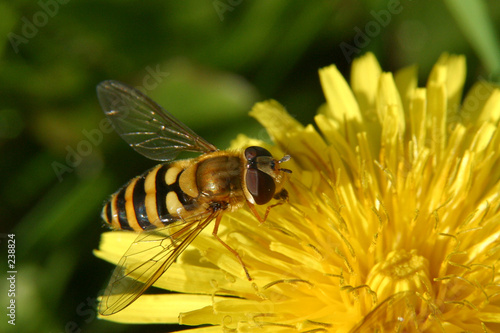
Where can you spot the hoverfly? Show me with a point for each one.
(170, 204)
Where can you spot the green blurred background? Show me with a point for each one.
(207, 62)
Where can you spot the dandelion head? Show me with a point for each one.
(392, 223)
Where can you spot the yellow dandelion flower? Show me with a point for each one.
(393, 222)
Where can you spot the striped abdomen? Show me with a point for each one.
(142, 203)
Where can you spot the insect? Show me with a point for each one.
(170, 204)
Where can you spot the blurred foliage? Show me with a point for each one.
(206, 62)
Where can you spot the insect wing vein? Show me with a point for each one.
(134, 273)
(146, 126)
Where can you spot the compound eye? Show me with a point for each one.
(254, 151)
(260, 185)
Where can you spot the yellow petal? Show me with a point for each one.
(490, 110)
(276, 120)
(451, 71)
(342, 104)
(407, 81)
(364, 82)
(156, 309)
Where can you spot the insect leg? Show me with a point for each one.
(281, 196)
(214, 233)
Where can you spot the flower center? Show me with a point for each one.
(400, 271)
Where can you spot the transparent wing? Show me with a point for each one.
(147, 259)
(146, 126)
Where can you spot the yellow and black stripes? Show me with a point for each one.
(120, 205)
(139, 203)
(162, 190)
(107, 214)
(148, 201)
